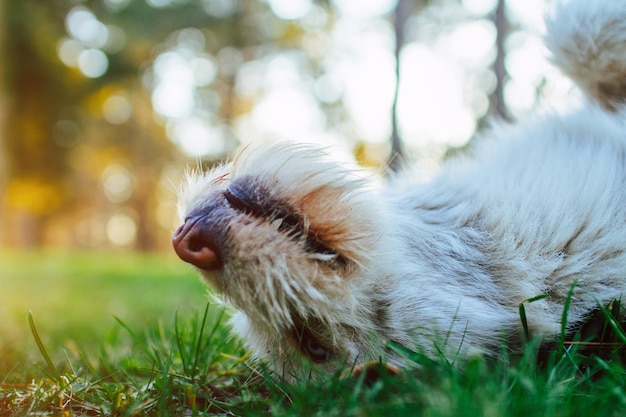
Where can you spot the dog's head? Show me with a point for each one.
(287, 236)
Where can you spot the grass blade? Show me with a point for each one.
(199, 343)
(179, 344)
(564, 315)
(618, 331)
(55, 372)
(522, 313)
(137, 340)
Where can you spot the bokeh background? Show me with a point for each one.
(105, 103)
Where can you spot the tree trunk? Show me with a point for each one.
(401, 15)
(498, 106)
(4, 104)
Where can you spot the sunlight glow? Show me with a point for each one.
(290, 9)
(364, 65)
(443, 91)
(116, 109)
(159, 3)
(93, 63)
(196, 136)
(479, 7)
(470, 43)
(83, 25)
(117, 183)
(369, 94)
(69, 50)
(220, 8)
(90, 37)
(360, 9)
(432, 107)
(173, 95)
(530, 13)
(289, 113)
(121, 229)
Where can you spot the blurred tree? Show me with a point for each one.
(3, 112)
(85, 153)
(498, 105)
(36, 87)
(86, 137)
(402, 12)
(54, 125)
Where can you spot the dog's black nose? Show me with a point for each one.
(194, 242)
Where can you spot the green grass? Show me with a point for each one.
(74, 297)
(122, 335)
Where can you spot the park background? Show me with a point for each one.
(105, 103)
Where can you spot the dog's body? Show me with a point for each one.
(323, 266)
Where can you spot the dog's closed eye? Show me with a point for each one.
(246, 196)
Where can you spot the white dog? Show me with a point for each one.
(325, 268)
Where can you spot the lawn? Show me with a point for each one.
(116, 334)
(75, 297)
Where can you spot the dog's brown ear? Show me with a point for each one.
(374, 371)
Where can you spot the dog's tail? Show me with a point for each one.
(587, 39)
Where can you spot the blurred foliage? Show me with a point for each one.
(56, 144)
(94, 137)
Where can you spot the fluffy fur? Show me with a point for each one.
(324, 267)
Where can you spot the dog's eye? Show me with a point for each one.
(321, 249)
(246, 196)
(313, 348)
(243, 202)
(307, 342)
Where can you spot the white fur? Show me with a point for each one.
(588, 42)
(538, 207)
